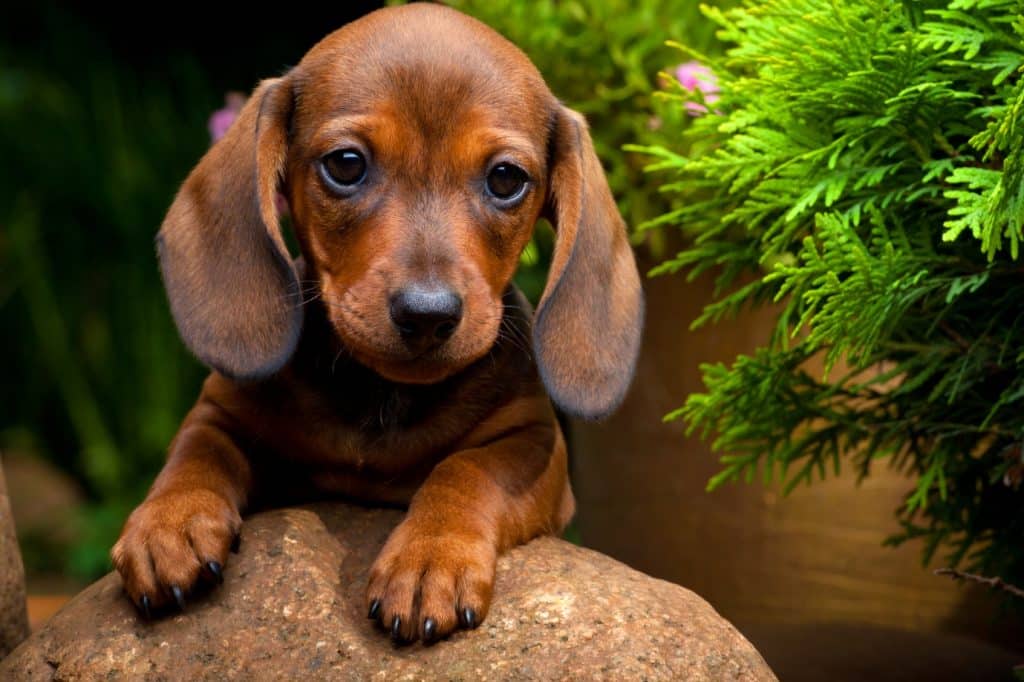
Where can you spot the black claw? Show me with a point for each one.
(236, 543)
(179, 597)
(144, 605)
(396, 629)
(429, 630)
(374, 609)
(468, 618)
(217, 570)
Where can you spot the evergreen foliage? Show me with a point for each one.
(863, 170)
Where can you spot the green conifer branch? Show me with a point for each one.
(864, 164)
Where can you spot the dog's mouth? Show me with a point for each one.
(396, 360)
(423, 366)
(429, 367)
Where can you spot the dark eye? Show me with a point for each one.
(345, 167)
(506, 181)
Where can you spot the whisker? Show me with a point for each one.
(307, 301)
(342, 306)
(309, 291)
(336, 358)
(516, 331)
(503, 339)
(514, 336)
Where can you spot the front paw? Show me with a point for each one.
(172, 544)
(425, 585)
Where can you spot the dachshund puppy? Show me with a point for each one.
(393, 362)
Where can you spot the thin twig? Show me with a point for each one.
(996, 583)
(953, 334)
(965, 345)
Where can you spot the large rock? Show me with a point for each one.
(13, 616)
(292, 608)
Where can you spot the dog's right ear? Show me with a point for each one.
(587, 329)
(233, 290)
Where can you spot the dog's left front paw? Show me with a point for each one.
(424, 586)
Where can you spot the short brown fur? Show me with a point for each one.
(314, 391)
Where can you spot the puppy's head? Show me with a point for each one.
(417, 149)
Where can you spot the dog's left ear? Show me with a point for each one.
(588, 323)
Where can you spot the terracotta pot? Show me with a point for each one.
(770, 564)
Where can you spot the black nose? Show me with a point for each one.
(426, 313)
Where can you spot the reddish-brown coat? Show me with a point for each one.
(313, 390)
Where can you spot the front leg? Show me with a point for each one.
(436, 571)
(179, 537)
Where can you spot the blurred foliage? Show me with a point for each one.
(96, 378)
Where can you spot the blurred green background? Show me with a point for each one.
(102, 114)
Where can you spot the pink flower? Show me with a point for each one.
(694, 76)
(222, 119)
(281, 204)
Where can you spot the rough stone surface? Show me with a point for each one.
(13, 616)
(292, 608)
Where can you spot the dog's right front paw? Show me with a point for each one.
(172, 544)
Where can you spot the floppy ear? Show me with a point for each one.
(587, 329)
(233, 290)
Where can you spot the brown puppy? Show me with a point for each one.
(393, 362)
